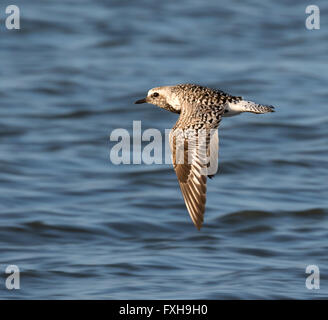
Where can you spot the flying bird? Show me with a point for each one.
(201, 110)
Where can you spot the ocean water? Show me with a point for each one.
(80, 227)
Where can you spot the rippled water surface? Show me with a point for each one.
(80, 227)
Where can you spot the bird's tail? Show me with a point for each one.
(249, 106)
(236, 107)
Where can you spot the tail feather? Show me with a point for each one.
(253, 107)
(237, 107)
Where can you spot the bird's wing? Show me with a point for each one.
(190, 161)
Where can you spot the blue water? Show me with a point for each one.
(80, 227)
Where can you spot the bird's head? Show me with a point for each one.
(163, 97)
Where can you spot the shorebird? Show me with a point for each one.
(201, 110)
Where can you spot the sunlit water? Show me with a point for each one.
(78, 226)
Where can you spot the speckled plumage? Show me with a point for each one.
(201, 110)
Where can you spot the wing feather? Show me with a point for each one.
(191, 179)
(192, 172)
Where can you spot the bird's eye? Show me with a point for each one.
(155, 94)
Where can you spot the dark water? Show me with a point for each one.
(78, 226)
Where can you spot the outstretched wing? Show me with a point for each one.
(193, 159)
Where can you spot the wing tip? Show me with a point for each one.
(198, 227)
(198, 224)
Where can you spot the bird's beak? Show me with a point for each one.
(141, 101)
